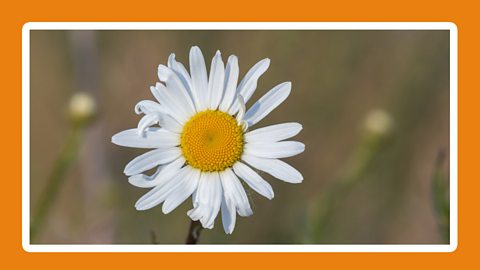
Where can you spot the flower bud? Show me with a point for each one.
(82, 107)
(378, 122)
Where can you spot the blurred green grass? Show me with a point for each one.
(337, 77)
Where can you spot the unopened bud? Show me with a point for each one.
(82, 107)
(378, 122)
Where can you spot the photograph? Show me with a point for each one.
(237, 137)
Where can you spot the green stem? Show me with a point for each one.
(440, 198)
(55, 180)
(359, 162)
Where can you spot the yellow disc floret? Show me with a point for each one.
(212, 141)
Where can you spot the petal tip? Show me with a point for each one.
(114, 139)
(302, 145)
(139, 207)
(171, 60)
(195, 49)
(286, 86)
(297, 180)
(247, 212)
(166, 209)
(229, 230)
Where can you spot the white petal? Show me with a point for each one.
(247, 86)
(143, 180)
(228, 215)
(163, 73)
(174, 105)
(152, 138)
(198, 212)
(231, 79)
(151, 159)
(198, 72)
(268, 103)
(147, 107)
(273, 133)
(168, 105)
(275, 168)
(155, 93)
(241, 111)
(216, 201)
(147, 121)
(207, 200)
(216, 80)
(152, 198)
(274, 150)
(182, 74)
(233, 189)
(163, 174)
(177, 92)
(158, 194)
(169, 123)
(187, 186)
(254, 180)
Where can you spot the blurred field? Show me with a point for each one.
(337, 77)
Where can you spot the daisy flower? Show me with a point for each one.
(203, 147)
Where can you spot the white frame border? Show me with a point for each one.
(239, 26)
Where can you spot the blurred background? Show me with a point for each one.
(374, 106)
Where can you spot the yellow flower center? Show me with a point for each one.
(212, 141)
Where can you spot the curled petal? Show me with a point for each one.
(147, 107)
(146, 121)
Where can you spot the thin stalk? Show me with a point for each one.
(55, 180)
(360, 161)
(440, 197)
(193, 233)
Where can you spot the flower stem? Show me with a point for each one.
(441, 200)
(55, 181)
(374, 138)
(193, 233)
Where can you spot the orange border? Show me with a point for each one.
(16, 14)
